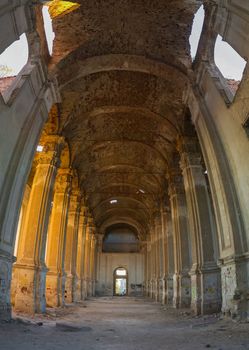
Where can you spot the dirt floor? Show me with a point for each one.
(122, 324)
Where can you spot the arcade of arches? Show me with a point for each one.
(119, 152)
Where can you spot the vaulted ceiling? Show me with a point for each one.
(122, 68)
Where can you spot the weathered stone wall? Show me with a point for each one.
(133, 262)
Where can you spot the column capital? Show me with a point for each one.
(190, 160)
(52, 142)
(187, 144)
(50, 155)
(189, 150)
(74, 201)
(175, 181)
(63, 180)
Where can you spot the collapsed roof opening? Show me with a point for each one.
(196, 31)
(228, 61)
(48, 27)
(10, 66)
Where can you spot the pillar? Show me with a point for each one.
(92, 264)
(30, 269)
(169, 256)
(153, 263)
(159, 262)
(205, 274)
(148, 267)
(80, 260)
(180, 225)
(71, 244)
(164, 255)
(55, 284)
(99, 244)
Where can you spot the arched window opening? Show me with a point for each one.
(196, 31)
(120, 238)
(48, 27)
(229, 62)
(12, 61)
(120, 282)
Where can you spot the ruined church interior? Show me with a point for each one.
(124, 174)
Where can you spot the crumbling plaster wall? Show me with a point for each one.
(133, 262)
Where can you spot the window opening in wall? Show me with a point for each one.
(196, 31)
(48, 27)
(10, 66)
(229, 62)
(120, 282)
(113, 201)
(39, 148)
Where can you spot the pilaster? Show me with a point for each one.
(80, 261)
(30, 270)
(205, 274)
(71, 244)
(56, 277)
(181, 278)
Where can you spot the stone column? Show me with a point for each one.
(92, 264)
(170, 256)
(79, 279)
(87, 255)
(205, 274)
(148, 267)
(99, 245)
(159, 262)
(181, 278)
(30, 269)
(90, 257)
(55, 284)
(164, 256)
(153, 264)
(71, 244)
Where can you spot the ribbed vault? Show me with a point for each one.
(122, 68)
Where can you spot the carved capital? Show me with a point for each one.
(190, 160)
(53, 143)
(74, 201)
(63, 181)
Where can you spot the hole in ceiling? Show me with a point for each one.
(48, 27)
(196, 31)
(9, 64)
(228, 61)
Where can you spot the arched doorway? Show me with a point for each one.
(120, 285)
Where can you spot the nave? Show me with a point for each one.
(123, 323)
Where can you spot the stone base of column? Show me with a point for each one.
(84, 289)
(55, 289)
(176, 296)
(170, 289)
(78, 294)
(184, 290)
(30, 283)
(234, 280)
(6, 261)
(93, 287)
(69, 289)
(205, 290)
(76, 289)
(160, 290)
(157, 282)
(89, 288)
(151, 288)
(164, 290)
